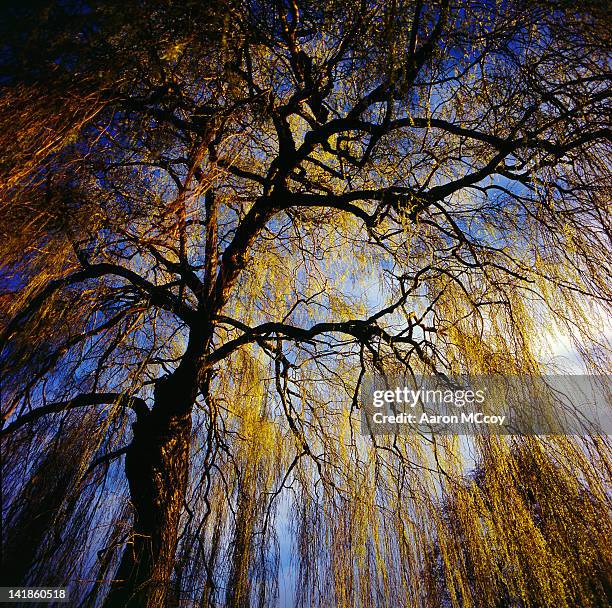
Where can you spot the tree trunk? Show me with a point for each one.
(157, 465)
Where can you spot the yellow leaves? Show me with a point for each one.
(174, 52)
(344, 308)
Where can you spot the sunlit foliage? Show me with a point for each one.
(217, 216)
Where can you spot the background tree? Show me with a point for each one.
(216, 217)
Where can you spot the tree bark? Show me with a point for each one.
(156, 465)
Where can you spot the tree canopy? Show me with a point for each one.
(216, 217)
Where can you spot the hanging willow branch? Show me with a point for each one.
(217, 218)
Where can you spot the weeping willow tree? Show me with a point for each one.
(217, 217)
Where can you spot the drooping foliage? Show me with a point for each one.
(216, 217)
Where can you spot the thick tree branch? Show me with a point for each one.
(86, 399)
(362, 330)
(158, 296)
